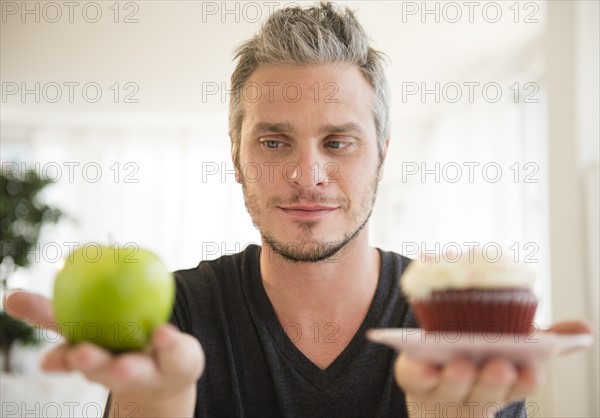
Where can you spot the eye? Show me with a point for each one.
(335, 144)
(271, 144)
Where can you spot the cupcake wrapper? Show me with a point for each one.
(478, 310)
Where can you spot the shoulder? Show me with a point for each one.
(220, 270)
(392, 262)
(211, 287)
(397, 312)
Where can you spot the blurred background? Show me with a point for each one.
(495, 114)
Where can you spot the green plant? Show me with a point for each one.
(12, 330)
(22, 216)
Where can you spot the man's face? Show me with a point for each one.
(308, 157)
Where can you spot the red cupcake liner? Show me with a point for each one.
(478, 310)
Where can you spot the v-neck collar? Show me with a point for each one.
(272, 333)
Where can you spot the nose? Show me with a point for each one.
(309, 169)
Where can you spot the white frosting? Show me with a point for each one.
(469, 271)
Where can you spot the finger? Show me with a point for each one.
(54, 360)
(457, 379)
(571, 327)
(30, 307)
(415, 377)
(177, 354)
(129, 370)
(173, 356)
(530, 378)
(140, 370)
(121, 372)
(88, 359)
(494, 384)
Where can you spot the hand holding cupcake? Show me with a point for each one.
(471, 294)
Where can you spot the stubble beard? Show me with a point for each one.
(308, 248)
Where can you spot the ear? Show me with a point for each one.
(235, 156)
(382, 164)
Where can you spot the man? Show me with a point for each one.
(282, 325)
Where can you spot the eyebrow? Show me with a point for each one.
(278, 128)
(337, 129)
(286, 127)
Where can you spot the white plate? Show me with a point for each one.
(440, 347)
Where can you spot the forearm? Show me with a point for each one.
(180, 405)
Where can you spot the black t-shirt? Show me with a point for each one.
(253, 368)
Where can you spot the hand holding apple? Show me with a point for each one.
(159, 382)
(112, 296)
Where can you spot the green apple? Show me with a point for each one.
(112, 296)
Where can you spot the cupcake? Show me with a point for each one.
(470, 293)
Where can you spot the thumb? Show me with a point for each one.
(30, 307)
(178, 354)
(571, 327)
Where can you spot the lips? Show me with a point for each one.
(308, 207)
(308, 211)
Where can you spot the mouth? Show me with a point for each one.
(308, 211)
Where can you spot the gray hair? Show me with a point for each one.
(314, 35)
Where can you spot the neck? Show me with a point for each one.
(331, 289)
